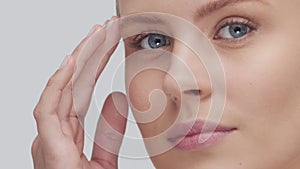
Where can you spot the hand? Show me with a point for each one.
(60, 140)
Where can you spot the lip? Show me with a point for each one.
(186, 136)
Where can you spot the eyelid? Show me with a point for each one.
(137, 39)
(228, 21)
(147, 33)
(236, 19)
(235, 42)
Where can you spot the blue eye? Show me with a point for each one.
(234, 31)
(154, 41)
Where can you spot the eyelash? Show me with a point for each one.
(136, 41)
(235, 20)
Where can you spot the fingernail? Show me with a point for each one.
(92, 30)
(65, 62)
(106, 22)
(110, 24)
(114, 18)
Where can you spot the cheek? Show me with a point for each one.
(263, 81)
(270, 79)
(139, 90)
(263, 96)
(155, 114)
(140, 87)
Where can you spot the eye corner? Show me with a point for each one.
(247, 29)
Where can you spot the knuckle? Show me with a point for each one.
(78, 48)
(36, 112)
(34, 147)
(51, 82)
(68, 88)
(76, 51)
(53, 87)
(39, 111)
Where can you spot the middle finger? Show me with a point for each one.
(85, 77)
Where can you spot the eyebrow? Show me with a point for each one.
(143, 18)
(203, 11)
(213, 6)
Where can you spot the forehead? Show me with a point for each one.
(185, 9)
(127, 7)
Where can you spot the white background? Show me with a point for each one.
(35, 36)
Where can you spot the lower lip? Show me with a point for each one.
(192, 142)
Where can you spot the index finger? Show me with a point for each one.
(45, 112)
(86, 75)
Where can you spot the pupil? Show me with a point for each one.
(156, 41)
(238, 30)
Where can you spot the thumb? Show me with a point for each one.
(110, 130)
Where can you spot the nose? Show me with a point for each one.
(186, 75)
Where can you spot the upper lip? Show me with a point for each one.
(189, 129)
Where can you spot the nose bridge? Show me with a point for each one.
(186, 74)
(183, 64)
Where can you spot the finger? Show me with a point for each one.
(68, 120)
(110, 130)
(85, 80)
(34, 147)
(86, 48)
(113, 32)
(102, 65)
(45, 112)
(66, 102)
(92, 64)
(79, 49)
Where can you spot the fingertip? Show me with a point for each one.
(71, 61)
(94, 29)
(116, 109)
(110, 130)
(120, 102)
(114, 18)
(67, 62)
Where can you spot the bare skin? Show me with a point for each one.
(262, 80)
(60, 140)
(262, 74)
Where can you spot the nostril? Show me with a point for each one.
(174, 98)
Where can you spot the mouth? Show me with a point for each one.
(198, 134)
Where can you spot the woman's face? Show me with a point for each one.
(257, 42)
